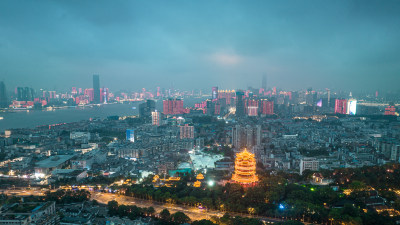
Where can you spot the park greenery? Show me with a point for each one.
(282, 195)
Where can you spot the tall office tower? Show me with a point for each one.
(155, 118)
(351, 106)
(267, 107)
(240, 104)
(96, 89)
(264, 82)
(173, 106)
(329, 97)
(214, 93)
(104, 95)
(186, 131)
(341, 106)
(73, 91)
(146, 108)
(3, 95)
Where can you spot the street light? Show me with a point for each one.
(210, 183)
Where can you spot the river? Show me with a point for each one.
(33, 118)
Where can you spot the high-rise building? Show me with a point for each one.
(186, 131)
(267, 107)
(155, 118)
(146, 108)
(104, 95)
(341, 106)
(25, 94)
(252, 107)
(89, 93)
(3, 95)
(351, 106)
(130, 135)
(214, 93)
(173, 107)
(264, 82)
(96, 89)
(240, 104)
(246, 137)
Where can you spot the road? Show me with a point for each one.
(22, 192)
(192, 212)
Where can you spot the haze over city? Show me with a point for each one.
(351, 45)
(200, 112)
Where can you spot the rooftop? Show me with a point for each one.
(54, 161)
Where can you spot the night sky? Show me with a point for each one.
(349, 45)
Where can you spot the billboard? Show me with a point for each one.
(130, 135)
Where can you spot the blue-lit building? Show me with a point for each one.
(130, 135)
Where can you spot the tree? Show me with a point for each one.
(180, 218)
(150, 211)
(112, 207)
(291, 222)
(165, 215)
(203, 222)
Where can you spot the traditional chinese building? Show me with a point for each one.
(245, 169)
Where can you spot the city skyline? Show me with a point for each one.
(344, 45)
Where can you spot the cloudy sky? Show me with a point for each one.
(354, 45)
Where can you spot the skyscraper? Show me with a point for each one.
(264, 82)
(96, 89)
(3, 95)
(240, 104)
(214, 93)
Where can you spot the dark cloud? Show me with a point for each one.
(188, 44)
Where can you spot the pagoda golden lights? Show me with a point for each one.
(245, 168)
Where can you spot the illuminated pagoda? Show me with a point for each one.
(245, 169)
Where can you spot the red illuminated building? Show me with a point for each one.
(173, 107)
(390, 110)
(252, 107)
(267, 107)
(341, 106)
